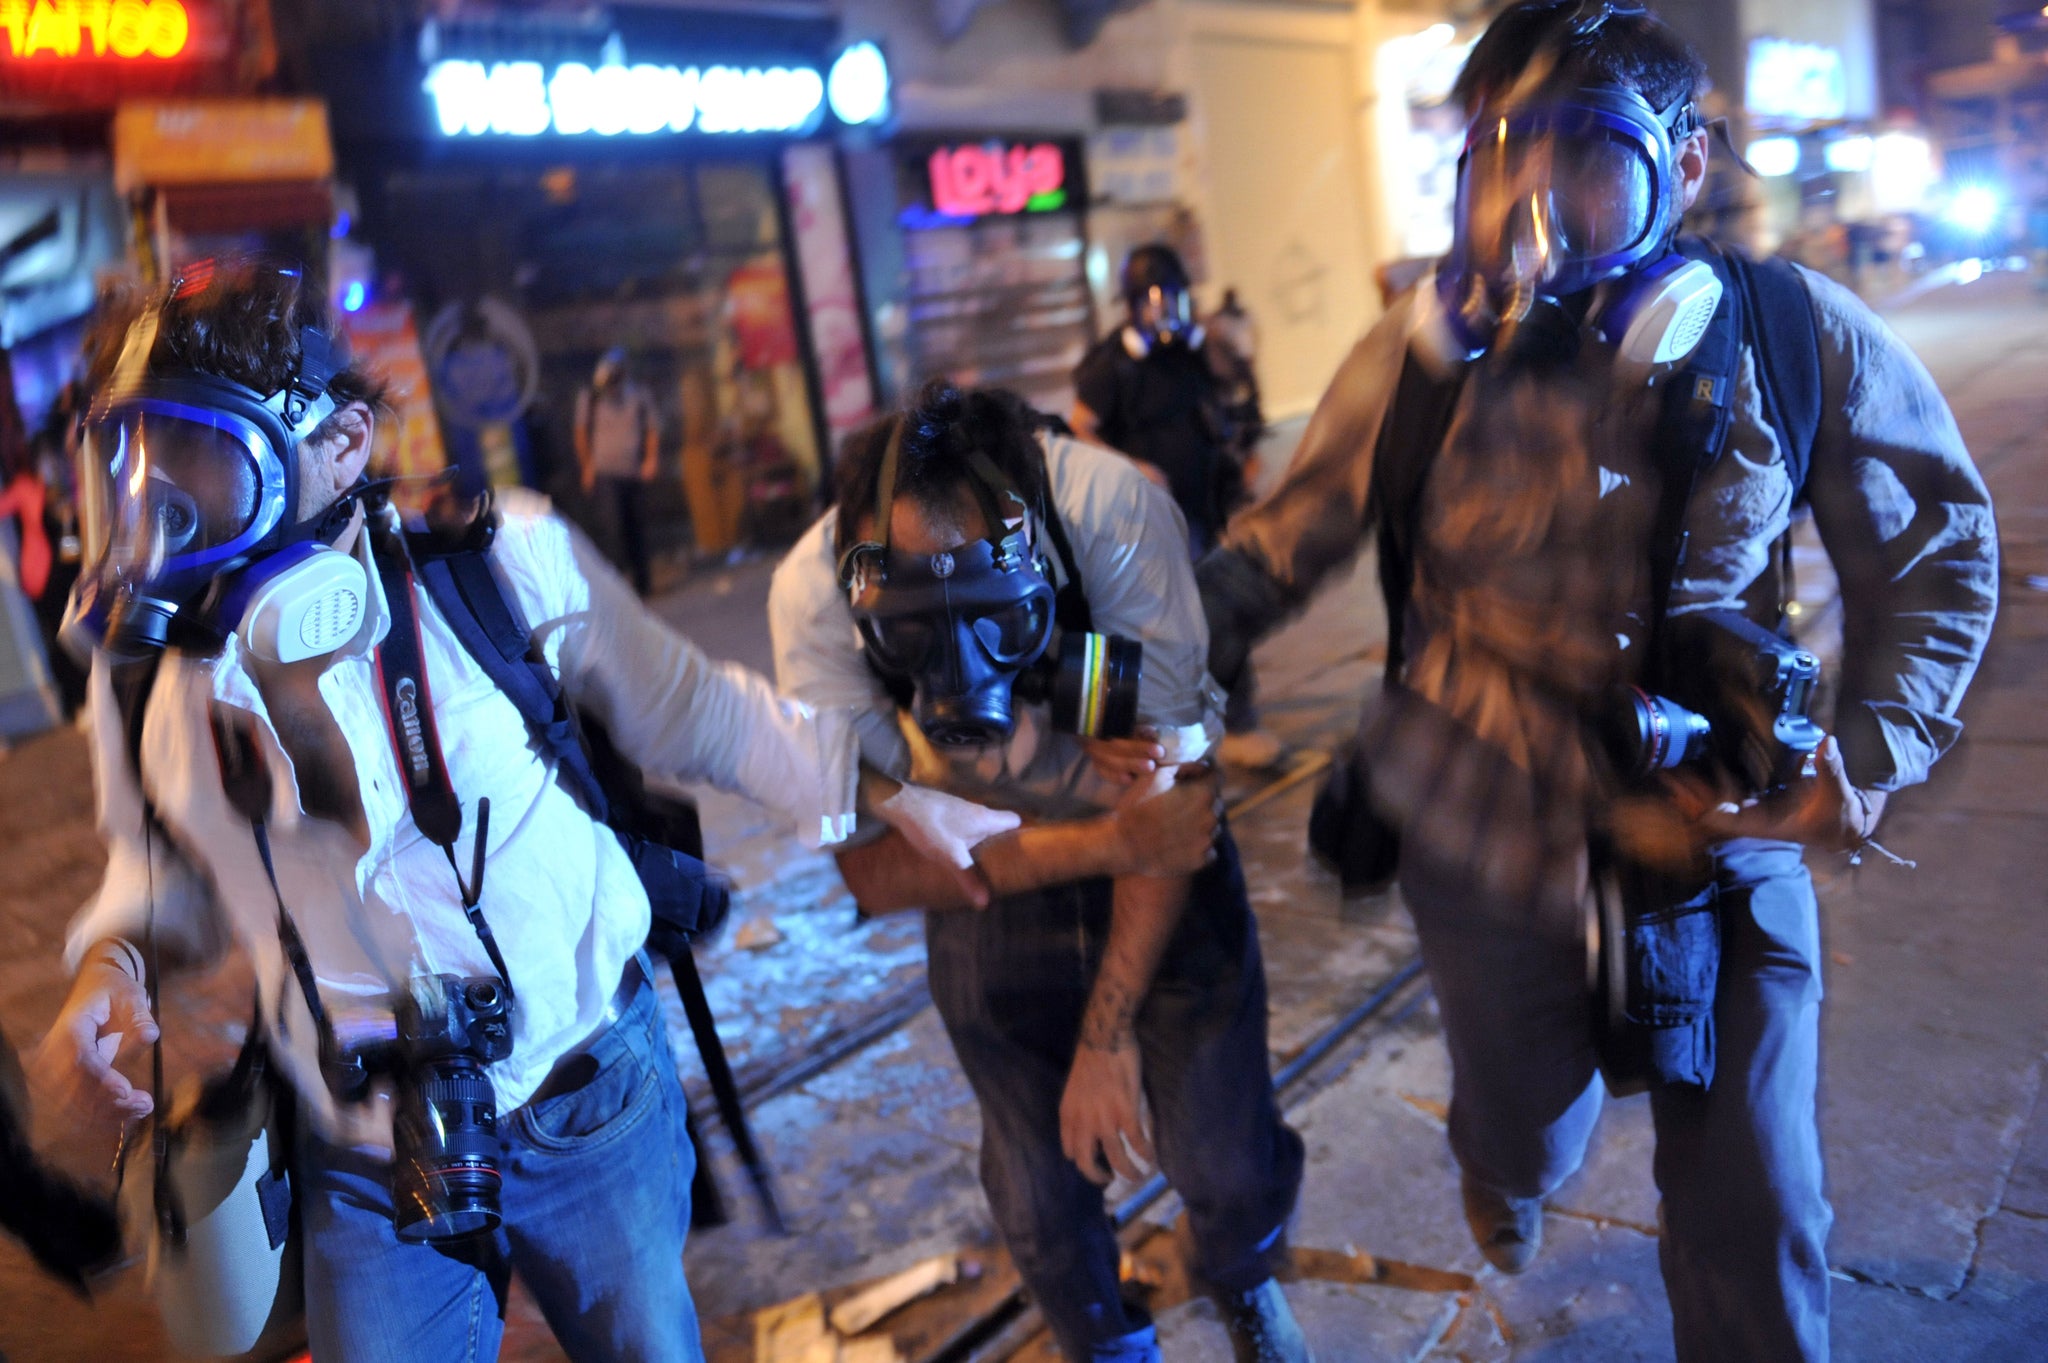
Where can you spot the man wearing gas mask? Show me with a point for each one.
(1580, 446)
(298, 752)
(1014, 616)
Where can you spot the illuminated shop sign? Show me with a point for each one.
(88, 29)
(980, 179)
(525, 99)
(1802, 81)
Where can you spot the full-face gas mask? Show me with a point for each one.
(1567, 205)
(972, 629)
(1157, 291)
(188, 486)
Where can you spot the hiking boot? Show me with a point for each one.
(1261, 1326)
(1508, 1230)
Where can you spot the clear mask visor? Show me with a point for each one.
(1542, 203)
(166, 487)
(1166, 313)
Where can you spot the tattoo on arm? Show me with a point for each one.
(1112, 1010)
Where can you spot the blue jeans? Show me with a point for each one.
(1011, 982)
(1739, 1164)
(596, 1202)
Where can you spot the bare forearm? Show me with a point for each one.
(1147, 910)
(888, 875)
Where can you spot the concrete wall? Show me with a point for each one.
(1012, 67)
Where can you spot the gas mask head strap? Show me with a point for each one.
(304, 402)
(988, 483)
(132, 366)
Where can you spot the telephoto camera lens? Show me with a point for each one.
(444, 1174)
(1656, 735)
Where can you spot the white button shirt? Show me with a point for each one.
(561, 897)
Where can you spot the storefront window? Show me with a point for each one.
(681, 266)
(993, 286)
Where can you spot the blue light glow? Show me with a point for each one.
(1974, 208)
(354, 296)
(858, 86)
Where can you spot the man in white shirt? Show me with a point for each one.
(249, 591)
(967, 536)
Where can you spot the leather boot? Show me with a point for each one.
(1508, 1230)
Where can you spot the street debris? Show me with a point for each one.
(756, 934)
(858, 1313)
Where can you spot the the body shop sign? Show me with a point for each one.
(983, 179)
(615, 98)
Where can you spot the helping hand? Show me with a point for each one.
(1171, 831)
(1824, 810)
(73, 1069)
(1100, 1112)
(946, 829)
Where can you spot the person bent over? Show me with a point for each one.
(1028, 600)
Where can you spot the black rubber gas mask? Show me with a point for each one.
(971, 628)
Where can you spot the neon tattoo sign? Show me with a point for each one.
(87, 29)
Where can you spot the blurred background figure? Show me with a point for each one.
(1233, 356)
(1150, 389)
(618, 434)
(2037, 240)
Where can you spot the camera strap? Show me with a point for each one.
(416, 737)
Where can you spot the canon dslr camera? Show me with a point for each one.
(435, 1040)
(1740, 697)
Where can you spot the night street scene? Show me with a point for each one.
(944, 681)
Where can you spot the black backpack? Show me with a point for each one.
(660, 834)
(1765, 305)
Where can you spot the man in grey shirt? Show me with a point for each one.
(1533, 604)
(1091, 987)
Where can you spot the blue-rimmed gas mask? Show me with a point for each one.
(189, 488)
(971, 629)
(1567, 205)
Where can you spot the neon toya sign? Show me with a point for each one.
(522, 99)
(977, 181)
(87, 29)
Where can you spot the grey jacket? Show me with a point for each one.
(1897, 500)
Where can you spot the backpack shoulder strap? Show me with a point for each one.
(1698, 408)
(483, 615)
(1070, 603)
(1779, 327)
(1417, 419)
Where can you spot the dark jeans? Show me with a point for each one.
(619, 502)
(1011, 983)
(1739, 1164)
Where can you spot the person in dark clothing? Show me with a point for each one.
(1551, 548)
(1150, 390)
(1147, 389)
